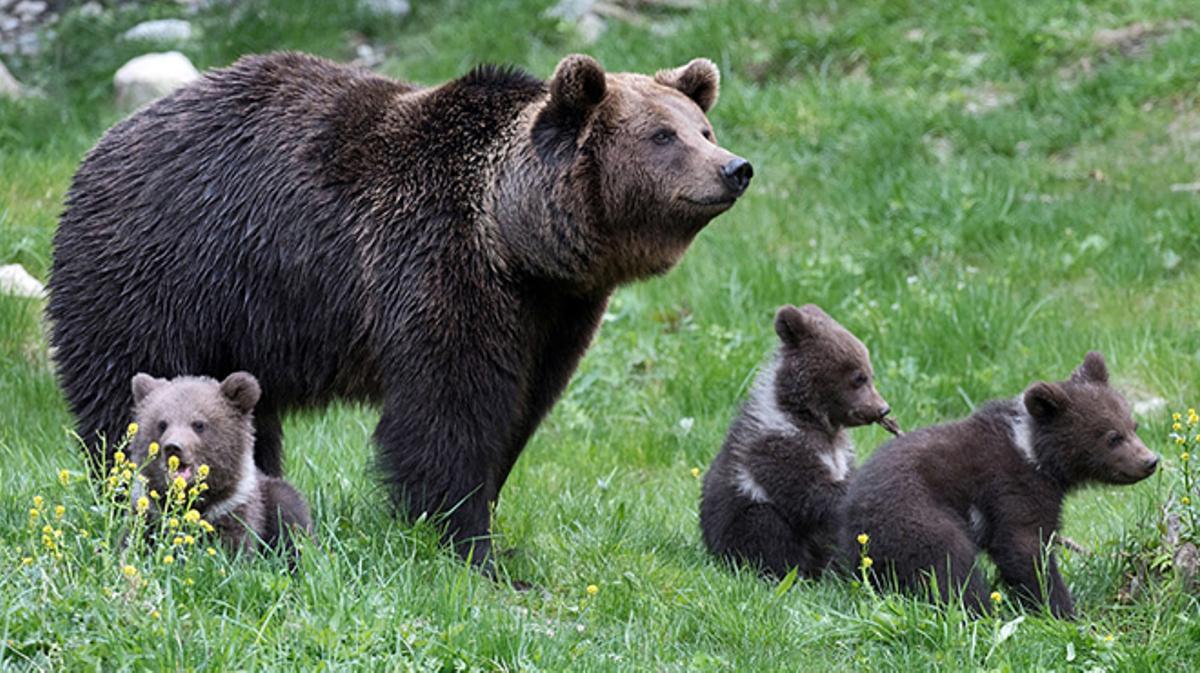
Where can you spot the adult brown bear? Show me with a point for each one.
(444, 253)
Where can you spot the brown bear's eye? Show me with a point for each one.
(860, 380)
(162, 426)
(198, 426)
(663, 137)
(707, 134)
(1114, 438)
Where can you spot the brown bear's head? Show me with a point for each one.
(198, 421)
(1084, 431)
(824, 371)
(640, 169)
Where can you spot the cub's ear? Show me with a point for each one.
(699, 80)
(578, 85)
(242, 391)
(143, 385)
(1044, 400)
(1093, 369)
(793, 325)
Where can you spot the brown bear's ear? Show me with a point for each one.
(143, 385)
(699, 80)
(242, 391)
(793, 325)
(578, 85)
(1093, 369)
(1044, 400)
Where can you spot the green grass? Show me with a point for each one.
(972, 252)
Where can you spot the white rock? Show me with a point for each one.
(163, 30)
(152, 76)
(29, 9)
(570, 10)
(9, 87)
(396, 8)
(15, 281)
(91, 9)
(591, 27)
(9, 23)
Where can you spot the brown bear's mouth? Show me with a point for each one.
(724, 201)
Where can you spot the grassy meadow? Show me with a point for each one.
(982, 192)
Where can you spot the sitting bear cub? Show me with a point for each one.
(931, 500)
(771, 495)
(200, 422)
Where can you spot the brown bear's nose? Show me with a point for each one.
(737, 174)
(884, 411)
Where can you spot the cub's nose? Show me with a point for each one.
(737, 174)
(884, 411)
(1150, 463)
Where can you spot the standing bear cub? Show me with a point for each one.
(443, 253)
(190, 425)
(995, 481)
(771, 496)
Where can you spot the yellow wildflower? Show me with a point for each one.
(863, 538)
(202, 471)
(173, 463)
(132, 429)
(1176, 426)
(154, 494)
(48, 529)
(83, 532)
(173, 522)
(592, 589)
(119, 457)
(1108, 638)
(168, 560)
(126, 475)
(33, 513)
(188, 581)
(64, 477)
(177, 541)
(192, 516)
(1185, 456)
(143, 504)
(152, 450)
(37, 501)
(59, 511)
(188, 539)
(867, 562)
(206, 526)
(154, 614)
(210, 551)
(1176, 416)
(1185, 500)
(695, 472)
(130, 571)
(996, 597)
(179, 484)
(27, 561)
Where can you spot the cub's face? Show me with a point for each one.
(195, 421)
(825, 368)
(646, 159)
(1089, 425)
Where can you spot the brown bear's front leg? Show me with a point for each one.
(1029, 567)
(437, 452)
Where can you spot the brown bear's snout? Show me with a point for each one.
(736, 174)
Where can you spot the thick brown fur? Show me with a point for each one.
(932, 499)
(772, 495)
(443, 253)
(202, 422)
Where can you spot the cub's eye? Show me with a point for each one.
(198, 426)
(663, 137)
(859, 380)
(162, 426)
(707, 134)
(1114, 438)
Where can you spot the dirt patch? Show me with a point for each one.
(1132, 41)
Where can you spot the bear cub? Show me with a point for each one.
(931, 500)
(200, 422)
(772, 493)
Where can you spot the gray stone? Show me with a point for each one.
(9, 87)
(395, 8)
(152, 76)
(91, 9)
(15, 281)
(571, 10)
(29, 10)
(162, 30)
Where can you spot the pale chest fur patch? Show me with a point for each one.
(841, 459)
(247, 487)
(1021, 427)
(762, 409)
(747, 486)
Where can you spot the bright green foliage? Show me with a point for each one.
(981, 192)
